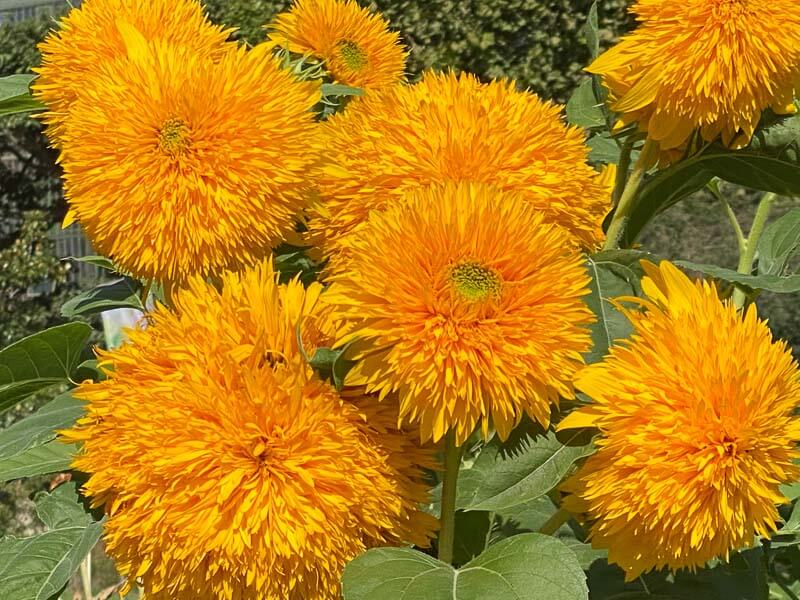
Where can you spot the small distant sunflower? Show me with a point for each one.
(88, 37)
(710, 66)
(464, 302)
(227, 468)
(698, 432)
(178, 165)
(454, 128)
(355, 43)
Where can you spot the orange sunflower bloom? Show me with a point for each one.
(176, 164)
(88, 37)
(454, 128)
(463, 301)
(707, 66)
(697, 430)
(356, 45)
(227, 468)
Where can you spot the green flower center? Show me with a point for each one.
(475, 282)
(173, 137)
(352, 55)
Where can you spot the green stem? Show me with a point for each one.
(622, 170)
(622, 213)
(146, 293)
(86, 576)
(741, 241)
(452, 461)
(747, 257)
(555, 522)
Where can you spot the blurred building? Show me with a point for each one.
(14, 11)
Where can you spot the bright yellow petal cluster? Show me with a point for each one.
(355, 43)
(227, 468)
(465, 302)
(710, 66)
(176, 164)
(88, 36)
(454, 128)
(696, 417)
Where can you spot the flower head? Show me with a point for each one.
(454, 128)
(695, 412)
(462, 300)
(356, 45)
(88, 37)
(176, 164)
(710, 66)
(227, 468)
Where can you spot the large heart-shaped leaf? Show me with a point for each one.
(120, 293)
(40, 360)
(40, 427)
(38, 567)
(779, 242)
(51, 457)
(15, 96)
(505, 475)
(525, 567)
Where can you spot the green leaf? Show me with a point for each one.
(291, 261)
(583, 109)
(40, 427)
(472, 534)
(336, 89)
(780, 175)
(51, 457)
(98, 261)
(666, 189)
(38, 567)
(779, 243)
(120, 293)
(332, 365)
(769, 283)
(40, 360)
(744, 577)
(613, 273)
(15, 95)
(526, 567)
(603, 149)
(592, 31)
(503, 477)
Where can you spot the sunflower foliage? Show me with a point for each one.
(399, 340)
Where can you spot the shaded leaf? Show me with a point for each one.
(38, 567)
(337, 89)
(744, 577)
(592, 31)
(525, 567)
(778, 243)
(95, 260)
(332, 365)
(472, 534)
(583, 109)
(769, 283)
(291, 261)
(40, 360)
(40, 427)
(50, 457)
(120, 293)
(500, 480)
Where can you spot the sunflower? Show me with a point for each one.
(696, 417)
(88, 37)
(356, 45)
(462, 300)
(454, 128)
(710, 66)
(175, 164)
(227, 468)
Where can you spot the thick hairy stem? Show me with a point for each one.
(452, 461)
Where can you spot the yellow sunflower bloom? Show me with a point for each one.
(464, 302)
(696, 417)
(178, 165)
(710, 66)
(88, 37)
(356, 45)
(227, 468)
(454, 128)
